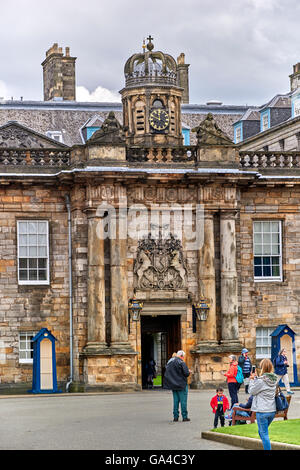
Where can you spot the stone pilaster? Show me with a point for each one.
(206, 279)
(96, 284)
(229, 294)
(118, 276)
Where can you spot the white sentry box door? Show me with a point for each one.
(46, 365)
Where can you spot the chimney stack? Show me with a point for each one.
(183, 77)
(295, 77)
(59, 74)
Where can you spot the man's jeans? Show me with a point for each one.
(263, 422)
(180, 396)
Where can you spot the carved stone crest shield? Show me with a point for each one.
(160, 264)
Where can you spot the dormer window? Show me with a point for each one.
(90, 127)
(265, 120)
(186, 135)
(296, 104)
(238, 133)
(55, 135)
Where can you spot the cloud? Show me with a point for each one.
(4, 92)
(99, 94)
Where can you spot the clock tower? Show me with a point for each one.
(152, 99)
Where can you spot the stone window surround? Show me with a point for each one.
(34, 282)
(27, 338)
(273, 219)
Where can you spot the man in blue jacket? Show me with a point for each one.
(175, 379)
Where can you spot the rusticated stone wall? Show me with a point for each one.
(269, 304)
(29, 308)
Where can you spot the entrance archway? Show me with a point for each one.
(160, 337)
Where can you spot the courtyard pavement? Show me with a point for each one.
(110, 421)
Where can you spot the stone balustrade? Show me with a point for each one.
(34, 157)
(162, 155)
(268, 160)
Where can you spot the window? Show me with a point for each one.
(33, 252)
(238, 135)
(26, 347)
(263, 342)
(90, 131)
(267, 250)
(186, 136)
(265, 120)
(56, 135)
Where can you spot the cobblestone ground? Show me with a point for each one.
(133, 421)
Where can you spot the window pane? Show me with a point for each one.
(257, 238)
(275, 226)
(22, 227)
(267, 238)
(257, 226)
(23, 240)
(42, 240)
(42, 227)
(258, 250)
(257, 271)
(32, 227)
(33, 275)
(22, 275)
(42, 275)
(32, 263)
(23, 263)
(266, 249)
(32, 251)
(32, 239)
(267, 271)
(266, 227)
(275, 238)
(275, 249)
(42, 251)
(23, 251)
(275, 271)
(42, 262)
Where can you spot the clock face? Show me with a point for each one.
(159, 119)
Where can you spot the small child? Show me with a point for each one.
(219, 404)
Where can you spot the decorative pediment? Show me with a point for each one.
(209, 133)
(160, 264)
(15, 135)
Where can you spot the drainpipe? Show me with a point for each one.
(67, 198)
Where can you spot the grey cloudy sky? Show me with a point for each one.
(239, 51)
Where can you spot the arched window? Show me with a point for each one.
(157, 104)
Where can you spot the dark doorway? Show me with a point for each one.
(160, 337)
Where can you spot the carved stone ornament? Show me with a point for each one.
(159, 264)
(14, 135)
(111, 132)
(209, 133)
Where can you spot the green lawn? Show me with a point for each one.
(279, 431)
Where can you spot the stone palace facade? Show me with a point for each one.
(132, 211)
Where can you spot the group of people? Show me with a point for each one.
(261, 389)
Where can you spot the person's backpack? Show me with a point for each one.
(239, 376)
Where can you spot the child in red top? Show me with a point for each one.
(219, 404)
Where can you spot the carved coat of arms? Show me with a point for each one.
(159, 264)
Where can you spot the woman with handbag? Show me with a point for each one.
(281, 364)
(263, 389)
